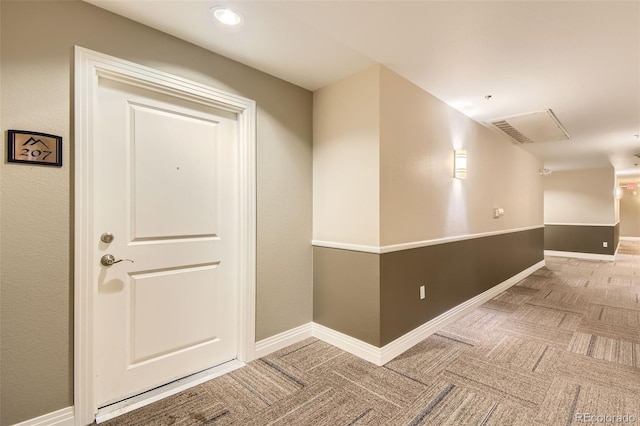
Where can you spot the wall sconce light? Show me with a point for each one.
(460, 164)
(618, 192)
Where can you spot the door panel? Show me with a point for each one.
(165, 169)
(176, 302)
(175, 166)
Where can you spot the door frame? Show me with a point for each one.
(88, 66)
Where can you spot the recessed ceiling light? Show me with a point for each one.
(225, 15)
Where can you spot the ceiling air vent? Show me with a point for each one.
(541, 126)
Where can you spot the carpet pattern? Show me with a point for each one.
(561, 347)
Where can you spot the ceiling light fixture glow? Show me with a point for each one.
(226, 16)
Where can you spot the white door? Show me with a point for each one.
(165, 173)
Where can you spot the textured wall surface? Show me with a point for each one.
(36, 203)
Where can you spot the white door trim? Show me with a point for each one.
(88, 66)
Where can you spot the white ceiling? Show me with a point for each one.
(579, 58)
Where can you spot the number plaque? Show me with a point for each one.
(34, 148)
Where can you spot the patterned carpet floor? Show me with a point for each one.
(561, 347)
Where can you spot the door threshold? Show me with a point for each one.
(116, 409)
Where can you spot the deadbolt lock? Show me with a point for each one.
(107, 237)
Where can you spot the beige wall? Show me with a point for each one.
(580, 197)
(420, 199)
(630, 213)
(36, 221)
(346, 160)
(383, 167)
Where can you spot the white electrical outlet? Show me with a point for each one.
(605, 244)
(422, 292)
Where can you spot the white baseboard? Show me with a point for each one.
(63, 417)
(361, 349)
(381, 356)
(282, 340)
(578, 255)
(347, 343)
(629, 238)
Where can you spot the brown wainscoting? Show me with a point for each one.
(348, 284)
(582, 238)
(346, 292)
(452, 274)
